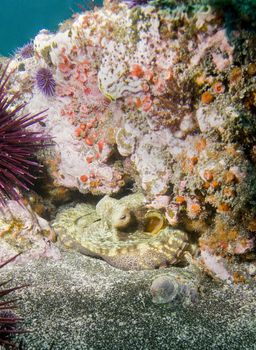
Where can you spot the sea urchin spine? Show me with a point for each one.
(45, 81)
(18, 144)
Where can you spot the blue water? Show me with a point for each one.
(21, 20)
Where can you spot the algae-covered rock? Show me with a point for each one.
(22, 230)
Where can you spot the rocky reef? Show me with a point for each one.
(158, 99)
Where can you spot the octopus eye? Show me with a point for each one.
(123, 217)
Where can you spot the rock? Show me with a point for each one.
(84, 304)
(22, 230)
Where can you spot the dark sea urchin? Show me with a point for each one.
(9, 321)
(45, 81)
(18, 144)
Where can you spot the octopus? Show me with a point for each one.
(123, 232)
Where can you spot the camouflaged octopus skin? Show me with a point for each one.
(114, 232)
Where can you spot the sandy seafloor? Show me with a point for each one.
(81, 303)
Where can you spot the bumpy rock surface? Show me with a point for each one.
(84, 304)
(22, 230)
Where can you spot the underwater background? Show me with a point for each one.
(128, 175)
(21, 20)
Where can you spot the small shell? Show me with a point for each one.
(164, 289)
(172, 288)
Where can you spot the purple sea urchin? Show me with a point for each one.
(27, 50)
(9, 321)
(45, 81)
(18, 144)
